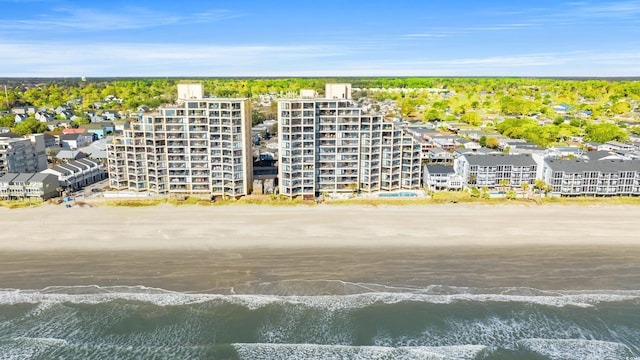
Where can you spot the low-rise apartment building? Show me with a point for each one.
(592, 178)
(496, 170)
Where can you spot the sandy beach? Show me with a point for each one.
(49, 228)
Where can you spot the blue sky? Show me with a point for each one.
(55, 38)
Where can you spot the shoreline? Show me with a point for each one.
(165, 227)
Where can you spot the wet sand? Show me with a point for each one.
(247, 249)
(328, 270)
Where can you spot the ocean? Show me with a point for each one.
(348, 303)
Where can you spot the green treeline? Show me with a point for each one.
(469, 100)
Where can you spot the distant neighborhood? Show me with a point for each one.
(345, 142)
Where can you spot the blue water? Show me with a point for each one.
(398, 194)
(512, 303)
(438, 322)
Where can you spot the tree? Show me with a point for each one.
(492, 143)
(504, 184)
(257, 117)
(29, 126)
(273, 130)
(471, 118)
(621, 107)
(541, 185)
(81, 121)
(7, 121)
(432, 115)
(483, 141)
(602, 133)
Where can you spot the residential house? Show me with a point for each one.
(617, 146)
(592, 146)
(50, 140)
(24, 110)
(20, 118)
(442, 177)
(467, 144)
(44, 116)
(562, 108)
(69, 115)
(564, 152)
(62, 109)
(70, 141)
(603, 155)
(99, 129)
(68, 154)
(444, 142)
(109, 115)
(97, 150)
(440, 156)
(83, 138)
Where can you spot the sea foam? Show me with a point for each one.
(337, 352)
(160, 297)
(576, 349)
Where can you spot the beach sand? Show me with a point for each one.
(165, 227)
(280, 250)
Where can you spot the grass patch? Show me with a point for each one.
(584, 200)
(453, 197)
(18, 204)
(267, 200)
(134, 202)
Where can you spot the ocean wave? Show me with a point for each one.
(321, 352)
(576, 349)
(435, 295)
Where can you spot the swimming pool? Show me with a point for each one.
(398, 194)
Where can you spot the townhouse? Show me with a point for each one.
(17, 186)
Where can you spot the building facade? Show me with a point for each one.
(76, 174)
(199, 147)
(18, 186)
(334, 146)
(19, 155)
(593, 178)
(496, 170)
(441, 177)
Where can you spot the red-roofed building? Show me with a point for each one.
(73, 131)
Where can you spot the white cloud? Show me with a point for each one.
(146, 59)
(618, 9)
(73, 19)
(141, 59)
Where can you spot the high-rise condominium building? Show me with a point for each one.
(199, 147)
(332, 145)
